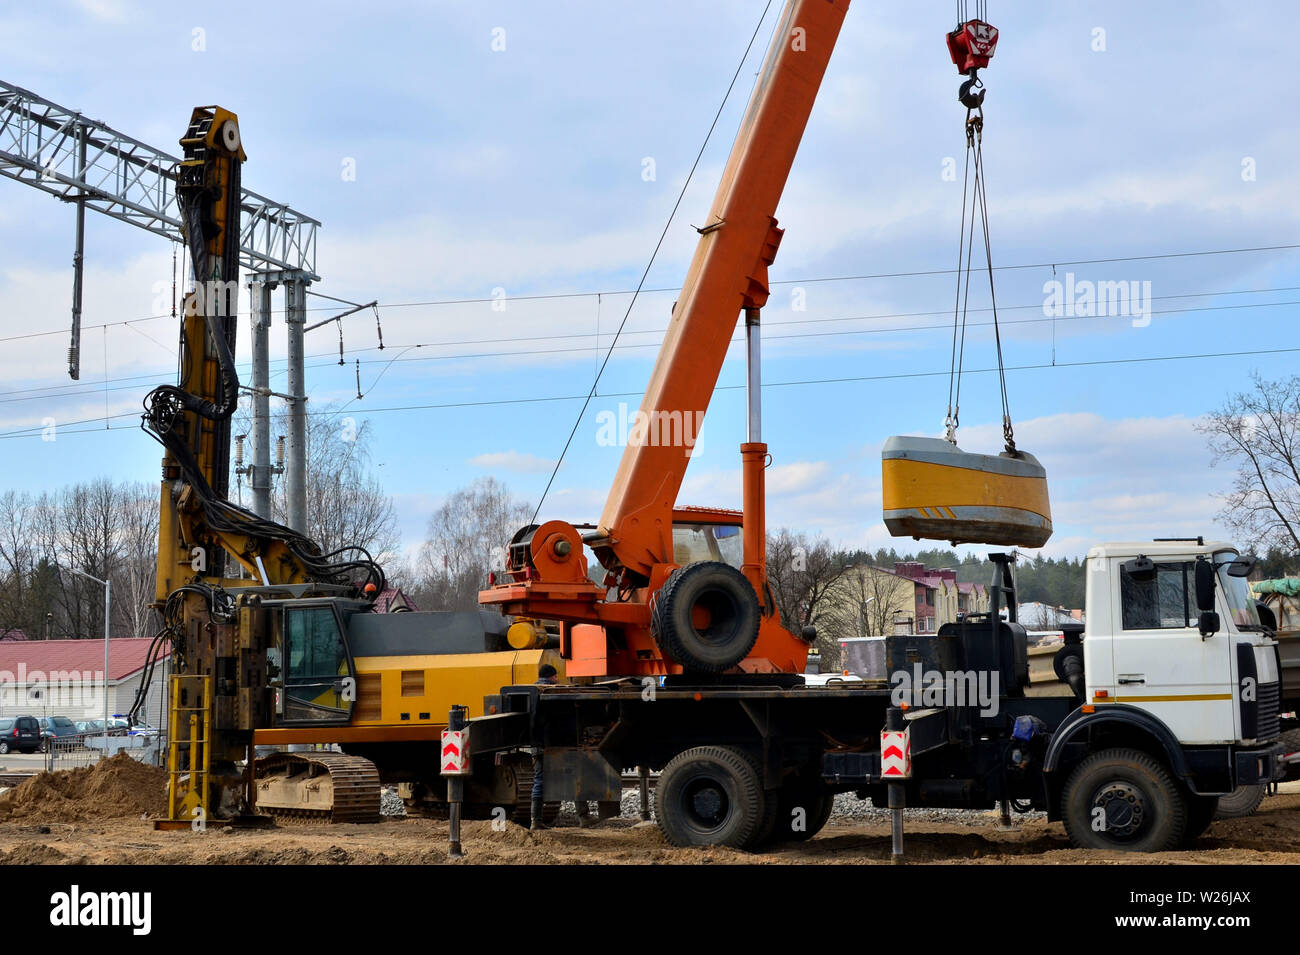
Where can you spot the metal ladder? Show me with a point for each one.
(187, 800)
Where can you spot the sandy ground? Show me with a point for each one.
(1270, 836)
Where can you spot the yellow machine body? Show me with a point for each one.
(423, 689)
(933, 489)
(409, 697)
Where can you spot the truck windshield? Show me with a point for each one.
(693, 542)
(1237, 594)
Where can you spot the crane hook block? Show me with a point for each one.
(972, 44)
(935, 490)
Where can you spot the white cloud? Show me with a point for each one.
(114, 11)
(512, 461)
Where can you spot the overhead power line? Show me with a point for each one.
(74, 389)
(35, 430)
(815, 280)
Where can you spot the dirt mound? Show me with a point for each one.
(34, 853)
(112, 788)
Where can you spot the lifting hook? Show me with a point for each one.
(971, 93)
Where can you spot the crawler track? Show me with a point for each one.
(318, 788)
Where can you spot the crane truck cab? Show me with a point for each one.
(1178, 685)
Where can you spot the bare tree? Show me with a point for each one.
(466, 537)
(346, 505)
(802, 572)
(101, 528)
(1258, 433)
(17, 560)
(136, 569)
(865, 602)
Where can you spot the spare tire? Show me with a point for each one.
(706, 617)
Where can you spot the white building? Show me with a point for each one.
(66, 678)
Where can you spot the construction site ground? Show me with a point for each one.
(100, 817)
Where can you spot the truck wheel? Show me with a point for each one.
(706, 616)
(1200, 813)
(1123, 799)
(1242, 801)
(710, 796)
(815, 806)
(4, 747)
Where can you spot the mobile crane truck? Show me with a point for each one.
(1175, 690)
(1175, 683)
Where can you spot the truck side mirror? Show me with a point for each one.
(1266, 616)
(1205, 587)
(1141, 569)
(1241, 567)
(1209, 623)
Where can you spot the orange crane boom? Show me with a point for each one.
(703, 619)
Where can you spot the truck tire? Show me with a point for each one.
(1241, 802)
(706, 617)
(816, 805)
(1200, 813)
(4, 747)
(710, 796)
(1123, 799)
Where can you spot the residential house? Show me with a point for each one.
(66, 678)
(873, 601)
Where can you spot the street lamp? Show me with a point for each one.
(108, 587)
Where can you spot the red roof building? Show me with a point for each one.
(126, 655)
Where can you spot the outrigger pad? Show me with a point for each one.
(933, 489)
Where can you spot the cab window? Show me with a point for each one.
(315, 646)
(695, 542)
(1162, 602)
(317, 671)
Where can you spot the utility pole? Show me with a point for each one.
(108, 588)
(259, 475)
(295, 478)
(74, 346)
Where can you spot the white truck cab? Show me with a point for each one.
(1211, 676)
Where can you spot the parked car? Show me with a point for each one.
(96, 727)
(60, 731)
(144, 729)
(20, 734)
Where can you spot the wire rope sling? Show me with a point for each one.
(931, 488)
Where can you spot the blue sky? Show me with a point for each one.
(521, 169)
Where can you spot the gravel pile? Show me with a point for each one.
(849, 807)
(390, 804)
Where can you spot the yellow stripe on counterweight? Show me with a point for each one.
(907, 481)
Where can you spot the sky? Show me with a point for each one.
(497, 154)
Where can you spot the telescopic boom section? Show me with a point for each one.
(727, 276)
(687, 602)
